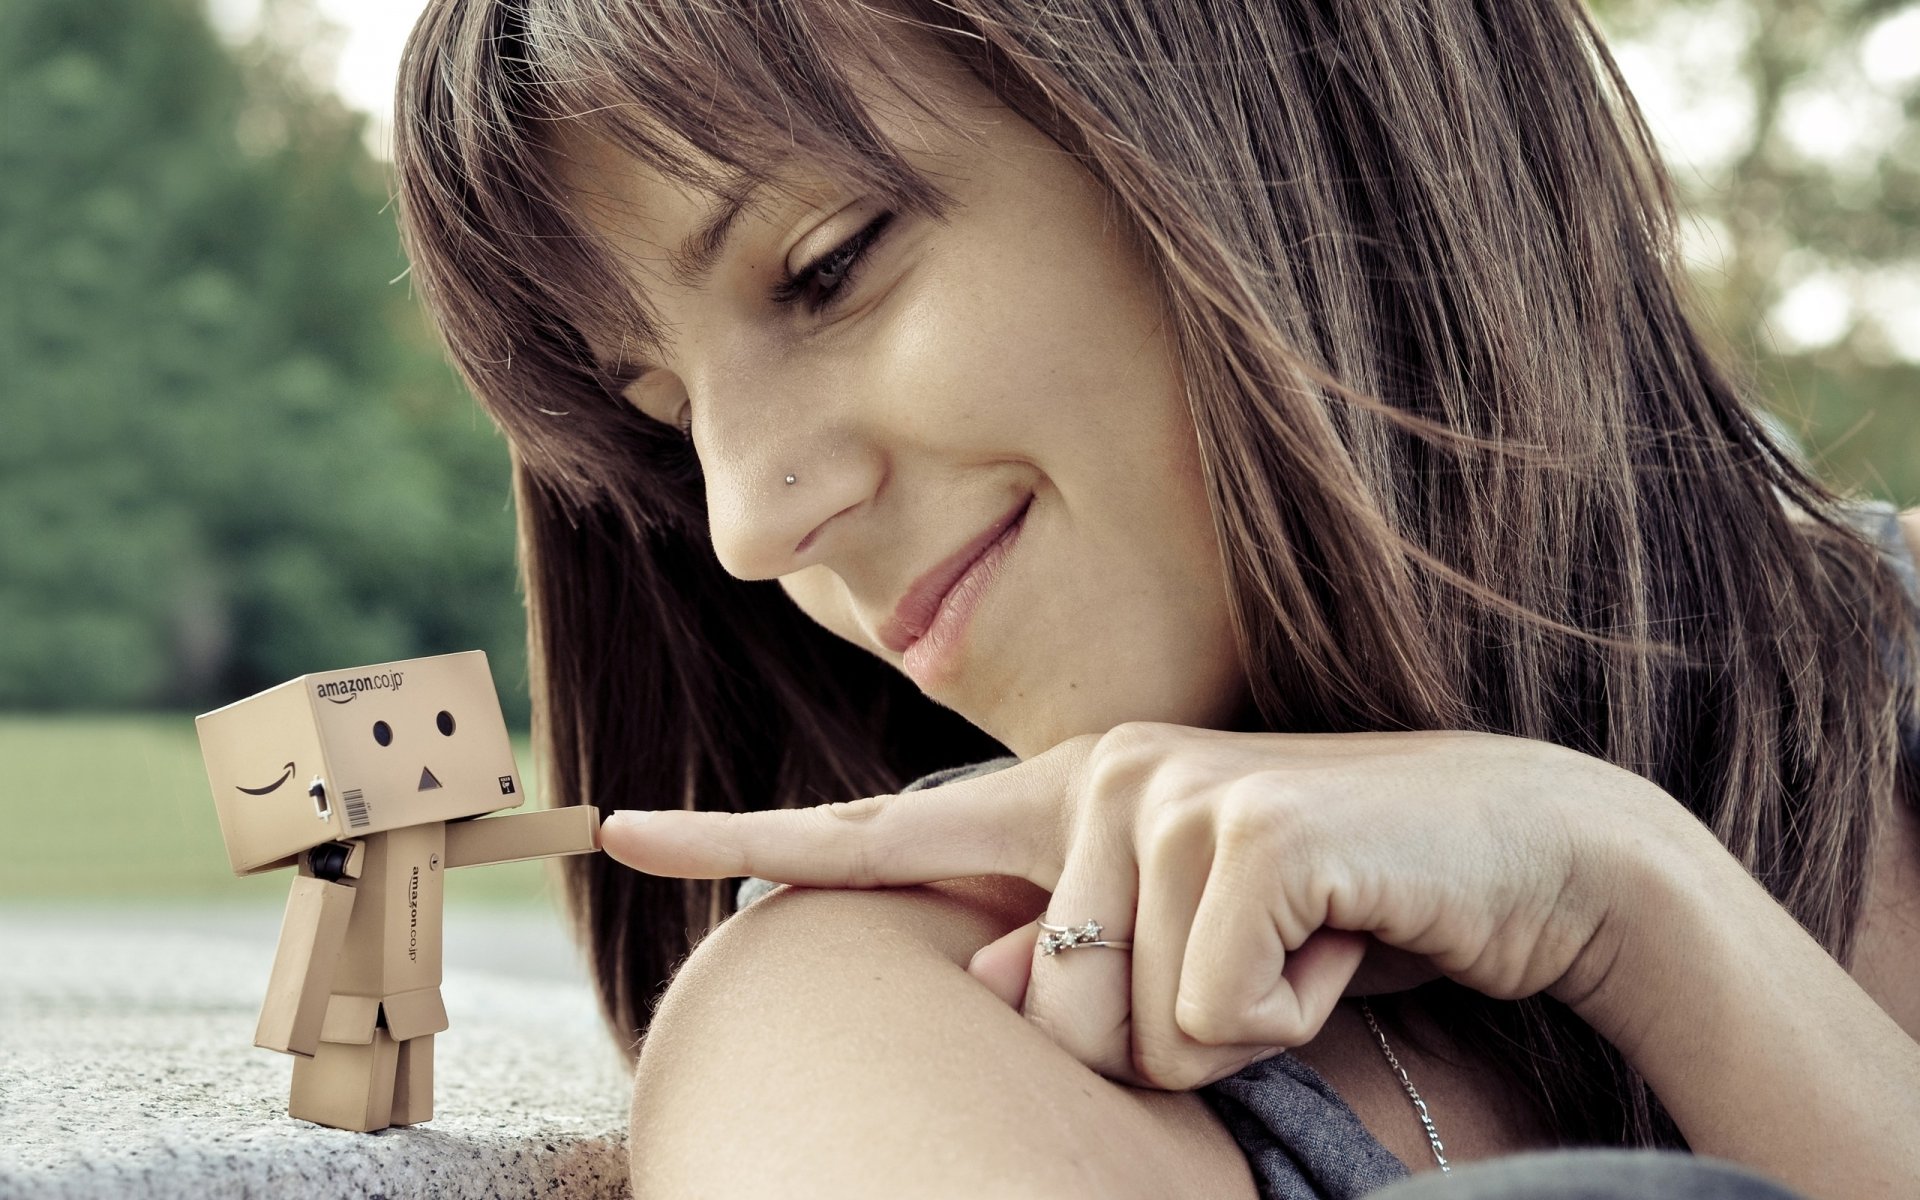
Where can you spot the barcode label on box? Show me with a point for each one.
(357, 815)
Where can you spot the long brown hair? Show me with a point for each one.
(1472, 464)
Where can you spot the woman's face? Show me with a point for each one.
(1011, 364)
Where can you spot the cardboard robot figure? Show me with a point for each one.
(366, 781)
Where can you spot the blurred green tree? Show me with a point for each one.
(1793, 132)
(231, 452)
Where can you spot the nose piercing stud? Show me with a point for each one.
(792, 479)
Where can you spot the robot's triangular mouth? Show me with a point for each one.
(427, 781)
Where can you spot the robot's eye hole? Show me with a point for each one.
(445, 722)
(383, 733)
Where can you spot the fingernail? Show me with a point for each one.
(626, 818)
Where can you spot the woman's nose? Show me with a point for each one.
(777, 473)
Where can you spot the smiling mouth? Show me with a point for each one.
(930, 658)
(917, 610)
(270, 788)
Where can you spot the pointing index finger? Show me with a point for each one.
(1000, 823)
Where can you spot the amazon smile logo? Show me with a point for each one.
(272, 787)
(342, 691)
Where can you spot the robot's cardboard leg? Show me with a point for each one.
(347, 1086)
(413, 1082)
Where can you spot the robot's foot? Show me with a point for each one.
(347, 1086)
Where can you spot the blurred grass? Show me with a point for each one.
(117, 808)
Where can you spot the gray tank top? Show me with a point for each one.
(1300, 1138)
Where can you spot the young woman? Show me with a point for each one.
(1268, 439)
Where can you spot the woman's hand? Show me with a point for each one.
(1247, 869)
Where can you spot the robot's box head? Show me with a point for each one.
(347, 753)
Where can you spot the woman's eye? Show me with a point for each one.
(818, 286)
(822, 283)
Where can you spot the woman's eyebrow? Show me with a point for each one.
(694, 261)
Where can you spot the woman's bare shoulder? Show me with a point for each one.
(838, 1035)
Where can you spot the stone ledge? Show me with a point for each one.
(127, 1069)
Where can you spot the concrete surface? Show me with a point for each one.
(127, 1066)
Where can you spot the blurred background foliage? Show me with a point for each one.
(1792, 130)
(230, 452)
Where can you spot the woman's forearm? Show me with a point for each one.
(1761, 1046)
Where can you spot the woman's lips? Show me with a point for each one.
(930, 656)
(914, 615)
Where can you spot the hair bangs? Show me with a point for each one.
(491, 94)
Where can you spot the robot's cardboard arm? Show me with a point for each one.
(311, 935)
(544, 834)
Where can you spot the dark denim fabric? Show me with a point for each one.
(1593, 1175)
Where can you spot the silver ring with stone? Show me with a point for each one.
(1072, 937)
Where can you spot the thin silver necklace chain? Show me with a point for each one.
(1419, 1105)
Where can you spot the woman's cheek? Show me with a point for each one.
(818, 592)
